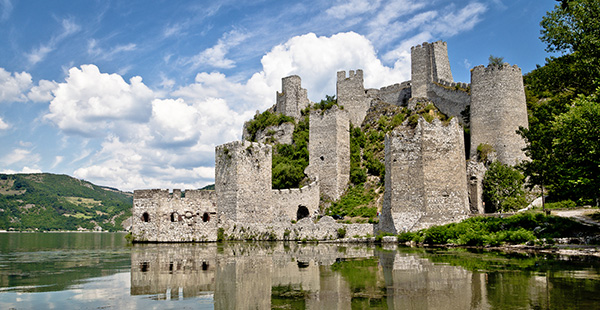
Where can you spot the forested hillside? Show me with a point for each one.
(59, 202)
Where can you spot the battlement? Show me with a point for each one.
(453, 84)
(428, 45)
(352, 96)
(306, 188)
(353, 75)
(494, 69)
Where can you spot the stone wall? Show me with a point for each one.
(475, 173)
(275, 134)
(160, 216)
(396, 94)
(448, 99)
(352, 96)
(329, 151)
(293, 98)
(498, 108)
(297, 203)
(425, 181)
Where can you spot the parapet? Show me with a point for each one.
(150, 193)
(353, 75)
(494, 68)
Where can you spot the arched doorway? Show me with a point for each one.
(302, 213)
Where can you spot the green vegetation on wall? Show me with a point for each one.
(264, 120)
(290, 160)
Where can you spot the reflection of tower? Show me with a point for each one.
(243, 282)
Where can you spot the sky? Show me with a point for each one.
(136, 94)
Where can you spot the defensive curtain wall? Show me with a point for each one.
(426, 179)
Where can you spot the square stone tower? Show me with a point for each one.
(329, 151)
(243, 182)
(352, 96)
(293, 98)
(429, 63)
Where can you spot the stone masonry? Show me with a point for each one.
(425, 180)
(352, 96)
(293, 98)
(498, 109)
(329, 151)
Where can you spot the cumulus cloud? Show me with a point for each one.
(90, 101)
(13, 86)
(43, 91)
(24, 170)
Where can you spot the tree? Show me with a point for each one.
(577, 149)
(496, 61)
(574, 28)
(503, 188)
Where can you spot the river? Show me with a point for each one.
(102, 271)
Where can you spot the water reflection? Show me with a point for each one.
(329, 276)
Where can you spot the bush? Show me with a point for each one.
(341, 232)
(503, 188)
(264, 120)
(565, 204)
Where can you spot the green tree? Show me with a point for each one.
(496, 61)
(577, 149)
(574, 28)
(503, 188)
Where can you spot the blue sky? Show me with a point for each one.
(136, 94)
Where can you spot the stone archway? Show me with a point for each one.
(302, 212)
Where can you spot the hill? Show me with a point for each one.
(48, 202)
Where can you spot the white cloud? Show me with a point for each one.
(90, 101)
(57, 161)
(19, 155)
(215, 56)
(345, 9)
(3, 125)
(454, 22)
(69, 27)
(43, 91)
(23, 170)
(101, 53)
(13, 86)
(6, 8)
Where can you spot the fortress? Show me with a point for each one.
(429, 179)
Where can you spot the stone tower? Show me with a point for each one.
(293, 98)
(429, 63)
(498, 108)
(329, 151)
(425, 177)
(352, 96)
(243, 182)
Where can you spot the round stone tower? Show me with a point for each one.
(498, 109)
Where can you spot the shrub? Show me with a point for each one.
(341, 232)
(483, 151)
(565, 204)
(503, 188)
(264, 120)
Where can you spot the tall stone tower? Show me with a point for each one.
(498, 108)
(243, 182)
(352, 96)
(293, 98)
(329, 151)
(429, 63)
(425, 177)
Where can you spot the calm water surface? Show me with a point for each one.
(100, 271)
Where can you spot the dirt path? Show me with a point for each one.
(578, 215)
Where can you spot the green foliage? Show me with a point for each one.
(354, 203)
(59, 202)
(495, 61)
(483, 151)
(326, 104)
(494, 231)
(220, 234)
(264, 120)
(290, 160)
(565, 204)
(503, 188)
(341, 232)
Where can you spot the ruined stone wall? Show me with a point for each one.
(396, 94)
(429, 62)
(160, 216)
(448, 99)
(275, 134)
(293, 98)
(289, 202)
(498, 108)
(352, 96)
(425, 181)
(475, 173)
(329, 151)
(243, 182)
